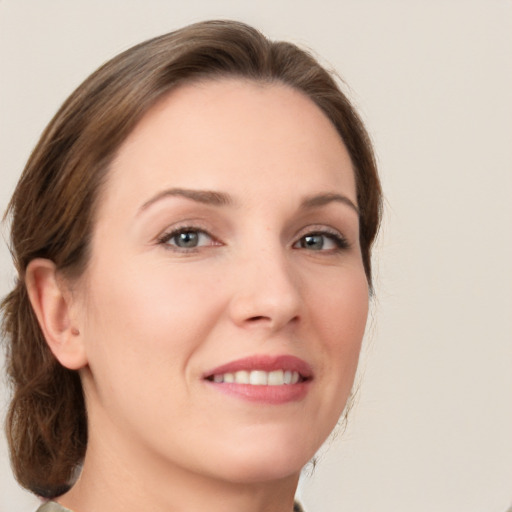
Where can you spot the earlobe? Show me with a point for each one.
(52, 303)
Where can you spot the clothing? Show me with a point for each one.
(52, 506)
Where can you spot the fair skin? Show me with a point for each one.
(226, 241)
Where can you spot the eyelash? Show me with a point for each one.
(167, 237)
(340, 242)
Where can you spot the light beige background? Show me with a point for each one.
(432, 430)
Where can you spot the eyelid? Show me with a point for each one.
(315, 229)
(319, 229)
(175, 230)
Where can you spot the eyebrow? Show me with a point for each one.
(323, 199)
(214, 198)
(201, 196)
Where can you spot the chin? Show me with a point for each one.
(266, 459)
(270, 470)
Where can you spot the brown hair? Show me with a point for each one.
(53, 207)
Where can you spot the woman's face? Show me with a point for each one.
(225, 301)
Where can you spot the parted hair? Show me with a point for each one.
(52, 210)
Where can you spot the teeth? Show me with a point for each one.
(259, 377)
(242, 377)
(276, 378)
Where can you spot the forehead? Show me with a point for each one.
(229, 134)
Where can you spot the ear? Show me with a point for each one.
(52, 302)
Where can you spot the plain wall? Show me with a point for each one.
(432, 429)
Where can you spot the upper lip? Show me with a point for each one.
(265, 363)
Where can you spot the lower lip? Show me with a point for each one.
(264, 394)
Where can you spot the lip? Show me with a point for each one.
(264, 394)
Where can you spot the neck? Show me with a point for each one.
(119, 479)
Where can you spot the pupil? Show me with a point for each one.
(187, 239)
(313, 242)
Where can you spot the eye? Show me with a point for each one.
(321, 241)
(187, 238)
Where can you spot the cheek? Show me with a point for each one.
(144, 318)
(143, 331)
(343, 309)
(341, 317)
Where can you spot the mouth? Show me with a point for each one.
(266, 379)
(258, 377)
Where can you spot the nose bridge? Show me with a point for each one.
(267, 290)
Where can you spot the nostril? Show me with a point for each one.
(257, 318)
(260, 319)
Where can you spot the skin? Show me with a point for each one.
(148, 319)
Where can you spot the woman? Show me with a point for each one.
(193, 240)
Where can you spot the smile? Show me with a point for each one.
(263, 379)
(259, 377)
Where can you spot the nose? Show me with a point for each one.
(267, 293)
